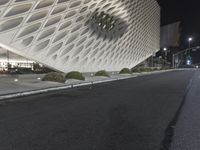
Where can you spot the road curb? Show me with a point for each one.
(46, 90)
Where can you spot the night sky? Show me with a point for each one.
(186, 11)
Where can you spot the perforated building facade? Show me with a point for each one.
(83, 35)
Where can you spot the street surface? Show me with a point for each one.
(187, 130)
(131, 114)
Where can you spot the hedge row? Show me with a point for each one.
(60, 77)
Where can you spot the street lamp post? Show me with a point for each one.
(190, 40)
(189, 50)
(165, 50)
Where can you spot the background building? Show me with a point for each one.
(170, 40)
(84, 35)
(11, 60)
(170, 35)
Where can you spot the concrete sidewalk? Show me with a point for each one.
(20, 85)
(187, 130)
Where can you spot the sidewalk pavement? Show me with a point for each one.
(20, 85)
(187, 129)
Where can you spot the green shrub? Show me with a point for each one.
(55, 77)
(135, 70)
(139, 70)
(125, 71)
(155, 69)
(75, 75)
(146, 69)
(165, 68)
(102, 73)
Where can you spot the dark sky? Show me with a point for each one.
(186, 11)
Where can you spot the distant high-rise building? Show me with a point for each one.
(170, 35)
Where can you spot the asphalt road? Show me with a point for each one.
(131, 114)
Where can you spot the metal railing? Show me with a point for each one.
(183, 51)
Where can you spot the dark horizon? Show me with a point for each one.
(187, 13)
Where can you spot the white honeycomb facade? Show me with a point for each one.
(57, 33)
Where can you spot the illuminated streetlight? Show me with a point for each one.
(190, 40)
(165, 49)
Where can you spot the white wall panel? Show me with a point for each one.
(62, 34)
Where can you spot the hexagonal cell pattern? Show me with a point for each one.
(62, 34)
